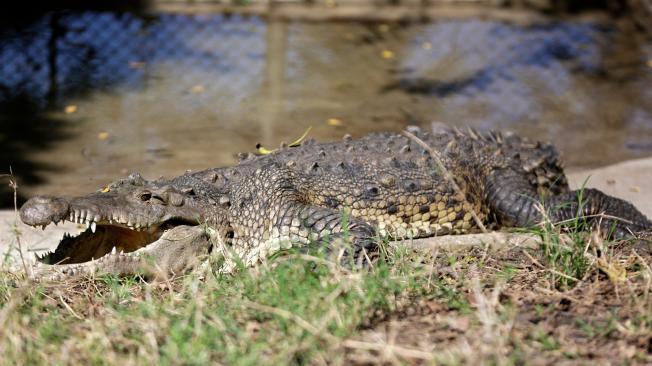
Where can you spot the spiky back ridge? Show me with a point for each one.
(385, 179)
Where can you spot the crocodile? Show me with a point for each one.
(340, 196)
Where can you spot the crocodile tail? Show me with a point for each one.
(514, 203)
(616, 217)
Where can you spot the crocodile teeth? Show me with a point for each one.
(93, 227)
(113, 251)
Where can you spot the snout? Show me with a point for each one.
(43, 210)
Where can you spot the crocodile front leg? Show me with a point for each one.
(516, 203)
(351, 239)
(268, 213)
(300, 225)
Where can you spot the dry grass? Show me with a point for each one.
(513, 313)
(414, 307)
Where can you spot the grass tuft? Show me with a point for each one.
(294, 308)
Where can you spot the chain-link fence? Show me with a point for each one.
(96, 94)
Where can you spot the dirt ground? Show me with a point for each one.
(506, 312)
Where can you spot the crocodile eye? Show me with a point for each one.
(146, 196)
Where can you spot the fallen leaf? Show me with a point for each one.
(334, 122)
(387, 54)
(103, 135)
(197, 89)
(265, 151)
(70, 109)
(615, 271)
(298, 141)
(635, 189)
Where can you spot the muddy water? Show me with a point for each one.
(87, 97)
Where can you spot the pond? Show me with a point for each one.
(90, 96)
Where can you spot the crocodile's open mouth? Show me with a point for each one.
(115, 222)
(102, 237)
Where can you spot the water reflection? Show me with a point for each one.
(502, 66)
(173, 92)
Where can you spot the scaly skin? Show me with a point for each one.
(295, 196)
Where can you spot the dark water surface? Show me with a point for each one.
(86, 97)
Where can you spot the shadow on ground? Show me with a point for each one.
(24, 130)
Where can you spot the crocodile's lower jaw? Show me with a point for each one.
(100, 240)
